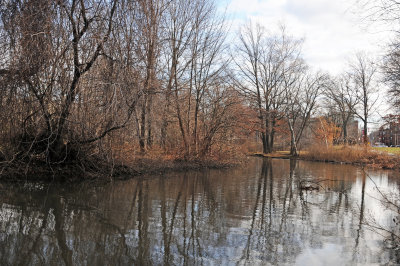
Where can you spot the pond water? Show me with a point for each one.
(268, 212)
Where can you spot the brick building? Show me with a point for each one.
(389, 133)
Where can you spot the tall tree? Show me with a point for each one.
(149, 21)
(301, 92)
(262, 61)
(391, 71)
(341, 100)
(179, 33)
(363, 74)
(207, 69)
(195, 65)
(388, 12)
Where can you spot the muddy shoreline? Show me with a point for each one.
(75, 173)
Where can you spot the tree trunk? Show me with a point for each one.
(264, 142)
(269, 134)
(195, 142)
(143, 126)
(365, 135)
(293, 142)
(181, 127)
(149, 133)
(344, 130)
(164, 124)
(168, 99)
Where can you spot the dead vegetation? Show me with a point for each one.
(358, 154)
(84, 82)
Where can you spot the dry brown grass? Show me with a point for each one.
(362, 155)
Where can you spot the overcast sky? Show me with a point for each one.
(332, 29)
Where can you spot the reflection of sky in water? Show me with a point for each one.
(329, 255)
(374, 183)
(339, 252)
(250, 215)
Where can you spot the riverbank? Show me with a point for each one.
(356, 155)
(155, 165)
(274, 155)
(103, 170)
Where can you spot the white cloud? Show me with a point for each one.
(333, 31)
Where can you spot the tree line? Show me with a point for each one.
(82, 77)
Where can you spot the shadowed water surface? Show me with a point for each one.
(267, 212)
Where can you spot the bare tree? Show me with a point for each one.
(62, 44)
(301, 92)
(341, 101)
(262, 61)
(179, 32)
(388, 12)
(363, 77)
(149, 22)
(248, 63)
(391, 70)
(383, 10)
(194, 60)
(207, 69)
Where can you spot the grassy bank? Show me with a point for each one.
(359, 155)
(386, 158)
(390, 150)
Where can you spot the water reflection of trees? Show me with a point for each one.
(389, 199)
(251, 215)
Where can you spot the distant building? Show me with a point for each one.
(389, 133)
(374, 138)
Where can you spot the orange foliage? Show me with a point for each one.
(326, 131)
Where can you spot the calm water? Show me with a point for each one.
(253, 215)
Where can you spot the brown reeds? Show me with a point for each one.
(360, 155)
